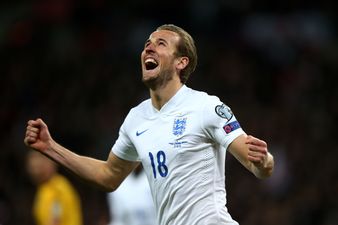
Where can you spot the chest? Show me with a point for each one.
(162, 141)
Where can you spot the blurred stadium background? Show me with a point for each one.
(76, 64)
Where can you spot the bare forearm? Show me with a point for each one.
(107, 175)
(89, 169)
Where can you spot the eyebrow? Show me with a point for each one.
(158, 40)
(161, 39)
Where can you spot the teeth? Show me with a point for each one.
(150, 60)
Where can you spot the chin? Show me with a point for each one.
(149, 81)
(149, 75)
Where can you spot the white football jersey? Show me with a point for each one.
(182, 148)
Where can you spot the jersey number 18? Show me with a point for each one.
(161, 167)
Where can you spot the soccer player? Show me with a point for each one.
(180, 136)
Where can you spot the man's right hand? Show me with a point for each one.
(37, 135)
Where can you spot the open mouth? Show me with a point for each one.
(150, 64)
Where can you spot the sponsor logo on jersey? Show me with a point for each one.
(179, 126)
(138, 133)
(224, 111)
(231, 127)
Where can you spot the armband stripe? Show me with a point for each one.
(231, 127)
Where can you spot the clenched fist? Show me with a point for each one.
(37, 135)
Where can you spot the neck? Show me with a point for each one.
(160, 96)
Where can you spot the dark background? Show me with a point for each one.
(76, 64)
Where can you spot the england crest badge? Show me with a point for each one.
(179, 126)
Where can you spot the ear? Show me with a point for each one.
(182, 62)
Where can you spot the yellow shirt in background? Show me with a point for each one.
(57, 203)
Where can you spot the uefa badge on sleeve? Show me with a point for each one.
(224, 111)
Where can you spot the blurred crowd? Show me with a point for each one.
(77, 65)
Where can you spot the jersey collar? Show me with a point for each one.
(171, 105)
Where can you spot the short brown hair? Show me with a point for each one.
(186, 47)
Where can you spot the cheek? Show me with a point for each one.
(142, 55)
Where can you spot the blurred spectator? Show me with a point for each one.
(130, 206)
(56, 201)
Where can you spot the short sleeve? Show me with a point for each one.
(123, 147)
(219, 122)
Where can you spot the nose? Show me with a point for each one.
(149, 48)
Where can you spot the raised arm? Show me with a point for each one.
(107, 175)
(253, 153)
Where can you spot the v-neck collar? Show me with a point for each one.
(173, 101)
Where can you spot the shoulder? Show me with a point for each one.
(61, 182)
(139, 111)
(200, 98)
(204, 99)
(142, 108)
(64, 187)
(212, 109)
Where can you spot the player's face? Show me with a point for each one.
(158, 57)
(39, 167)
